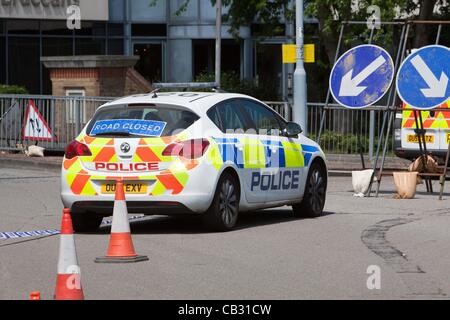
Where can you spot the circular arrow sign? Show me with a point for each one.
(423, 78)
(361, 76)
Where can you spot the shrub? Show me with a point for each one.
(5, 89)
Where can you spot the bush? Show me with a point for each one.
(5, 89)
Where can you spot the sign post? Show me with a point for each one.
(300, 109)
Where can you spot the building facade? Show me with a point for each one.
(171, 47)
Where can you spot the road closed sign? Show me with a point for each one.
(361, 76)
(422, 80)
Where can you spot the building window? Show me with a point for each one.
(76, 108)
(150, 64)
(148, 30)
(204, 56)
(55, 28)
(22, 26)
(90, 46)
(24, 62)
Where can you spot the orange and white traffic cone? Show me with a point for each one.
(121, 249)
(35, 295)
(68, 281)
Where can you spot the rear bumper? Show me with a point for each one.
(146, 207)
(195, 197)
(412, 154)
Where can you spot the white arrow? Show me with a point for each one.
(436, 88)
(349, 85)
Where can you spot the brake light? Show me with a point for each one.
(76, 149)
(190, 149)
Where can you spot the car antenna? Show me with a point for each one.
(154, 92)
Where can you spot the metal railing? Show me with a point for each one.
(345, 131)
(65, 116)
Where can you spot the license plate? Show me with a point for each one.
(412, 138)
(130, 188)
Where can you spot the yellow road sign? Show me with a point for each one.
(290, 55)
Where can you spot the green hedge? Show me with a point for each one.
(346, 143)
(5, 89)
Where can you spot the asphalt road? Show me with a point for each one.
(271, 255)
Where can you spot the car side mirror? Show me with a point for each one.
(292, 129)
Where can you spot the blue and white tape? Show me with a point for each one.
(27, 234)
(51, 232)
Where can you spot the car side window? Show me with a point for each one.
(226, 116)
(264, 120)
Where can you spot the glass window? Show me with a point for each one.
(177, 119)
(150, 64)
(89, 28)
(115, 29)
(204, 56)
(22, 26)
(24, 63)
(87, 46)
(57, 47)
(115, 46)
(264, 120)
(226, 116)
(75, 108)
(148, 30)
(2, 61)
(55, 27)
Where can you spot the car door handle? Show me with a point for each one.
(274, 149)
(240, 146)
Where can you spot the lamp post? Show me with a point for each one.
(218, 39)
(300, 110)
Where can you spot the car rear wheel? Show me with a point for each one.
(315, 193)
(223, 212)
(86, 222)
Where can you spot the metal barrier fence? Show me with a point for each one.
(345, 131)
(65, 116)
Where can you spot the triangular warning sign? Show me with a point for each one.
(35, 127)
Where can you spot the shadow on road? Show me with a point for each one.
(192, 224)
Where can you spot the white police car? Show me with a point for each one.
(207, 153)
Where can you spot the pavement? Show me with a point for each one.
(270, 255)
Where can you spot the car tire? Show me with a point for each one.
(315, 193)
(86, 222)
(224, 210)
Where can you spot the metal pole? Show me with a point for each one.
(391, 114)
(372, 113)
(218, 39)
(324, 108)
(300, 110)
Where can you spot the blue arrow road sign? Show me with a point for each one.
(422, 80)
(361, 76)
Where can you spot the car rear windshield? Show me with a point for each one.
(175, 119)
